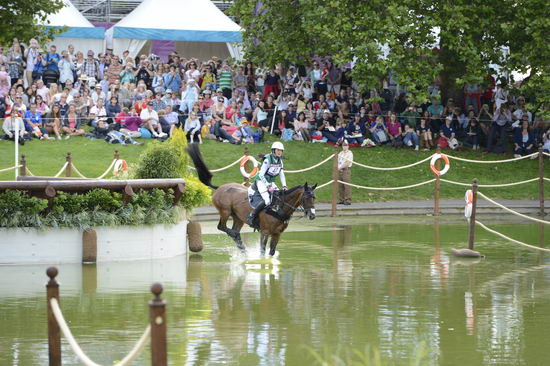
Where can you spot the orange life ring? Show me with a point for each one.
(120, 165)
(436, 157)
(254, 170)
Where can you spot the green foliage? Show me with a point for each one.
(196, 194)
(102, 199)
(159, 160)
(179, 142)
(20, 18)
(98, 207)
(418, 41)
(18, 208)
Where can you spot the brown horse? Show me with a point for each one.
(231, 200)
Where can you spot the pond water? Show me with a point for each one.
(387, 283)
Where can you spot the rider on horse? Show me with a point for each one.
(264, 184)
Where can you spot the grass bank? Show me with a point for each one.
(92, 157)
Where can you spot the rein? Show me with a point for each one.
(279, 216)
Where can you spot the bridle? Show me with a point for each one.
(300, 208)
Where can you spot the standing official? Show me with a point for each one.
(345, 161)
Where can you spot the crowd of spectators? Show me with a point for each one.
(56, 94)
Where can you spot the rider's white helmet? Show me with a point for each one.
(277, 145)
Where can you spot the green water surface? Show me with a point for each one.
(389, 283)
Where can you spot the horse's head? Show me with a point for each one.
(308, 201)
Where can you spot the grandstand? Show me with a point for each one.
(114, 10)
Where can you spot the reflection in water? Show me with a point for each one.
(390, 286)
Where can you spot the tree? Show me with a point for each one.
(21, 18)
(418, 40)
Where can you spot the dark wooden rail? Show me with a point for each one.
(47, 187)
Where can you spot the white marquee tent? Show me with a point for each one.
(198, 28)
(80, 33)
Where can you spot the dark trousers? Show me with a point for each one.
(192, 137)
(497, 133)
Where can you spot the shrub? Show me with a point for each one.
(196, 194)
(179, 142)
(159, 160)
(17, 209)
(101, 200)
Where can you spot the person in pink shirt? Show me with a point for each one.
(394, 129)
(132, 124)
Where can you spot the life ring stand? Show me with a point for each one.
(245, 159)
(120, 166)
(435, 158)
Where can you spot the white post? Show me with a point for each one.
(16, 146)
(273, 120)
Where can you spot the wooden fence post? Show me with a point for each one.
(541, 181)
(54, 334)
(69, 170)
(437, 186)
(157, 315)
(472, 228)
(23, 168)
(117, 155)
(334, 183)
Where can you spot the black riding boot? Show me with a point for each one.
(255, 212)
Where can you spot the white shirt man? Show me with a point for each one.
(11, 124)
(150, 119)
(97, 94)
(98, 112)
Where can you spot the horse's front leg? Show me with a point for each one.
(263, 243)
(273, 243)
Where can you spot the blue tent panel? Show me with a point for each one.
(177, 35)
(82, 32)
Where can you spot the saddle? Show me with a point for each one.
(272, 209)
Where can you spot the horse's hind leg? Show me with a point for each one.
(236, 231)
(273, 243)
(235, 235)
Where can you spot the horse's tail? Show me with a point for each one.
(204, 174)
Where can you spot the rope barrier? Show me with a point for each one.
(311, 167)
(491, 161)
(220, 169)
(489, 185)
(108, 169)
(61, 170)
(548, 179)
(138, 347)
(387, 188)
(228, 166)
(78, 172)
(392, 168)
(28, 171)
(510, 239)
(324, 185)
(12, 168)
(512, 211)
(545, 153)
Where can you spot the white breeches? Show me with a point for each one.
(263, 190)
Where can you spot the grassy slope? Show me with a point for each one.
(92, 157)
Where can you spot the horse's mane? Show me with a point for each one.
(290, 190)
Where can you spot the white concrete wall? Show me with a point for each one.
(123, 243)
